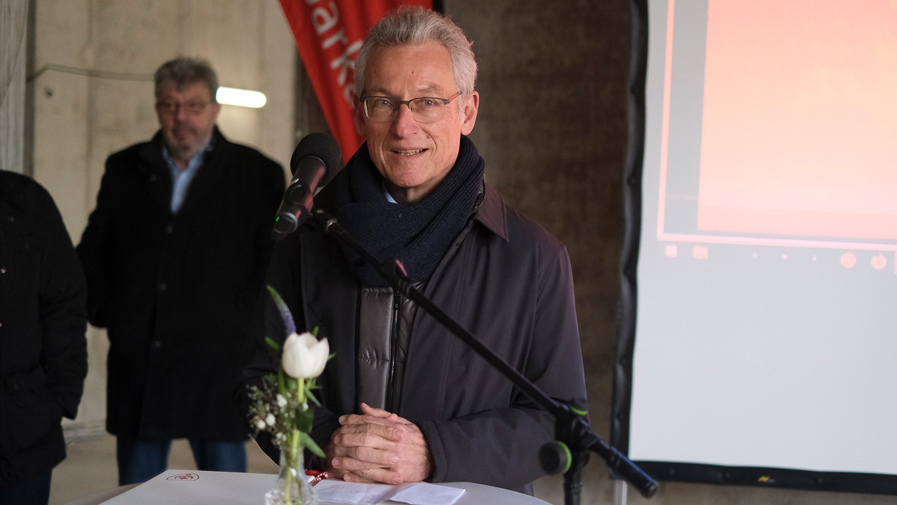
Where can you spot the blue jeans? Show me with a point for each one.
(32, 491)
(139, 460)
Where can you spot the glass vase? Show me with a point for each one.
(292, 487)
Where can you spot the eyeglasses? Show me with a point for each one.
(191, 108)
(426, 109)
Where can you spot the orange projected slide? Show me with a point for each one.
(800, 118)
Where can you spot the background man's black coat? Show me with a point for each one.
(176, 290)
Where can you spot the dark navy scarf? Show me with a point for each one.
(418, 234)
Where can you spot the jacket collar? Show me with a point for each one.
(151, 152)
(203, 185)
(493, 213)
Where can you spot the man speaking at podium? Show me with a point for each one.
(404, 400)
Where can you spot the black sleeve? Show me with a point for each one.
(95, 251)
(503, 442)
(63, 319)
(257, 360)
(270, 195)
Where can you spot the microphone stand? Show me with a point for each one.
(574, 439)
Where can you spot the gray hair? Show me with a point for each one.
(416, 25)
(183, 71)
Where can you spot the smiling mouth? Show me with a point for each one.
(409, 152)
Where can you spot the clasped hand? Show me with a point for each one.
(377, 446)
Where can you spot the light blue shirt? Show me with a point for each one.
(389, 197)
(181, 179)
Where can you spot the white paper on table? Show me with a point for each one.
(194, 487)
(419, 493)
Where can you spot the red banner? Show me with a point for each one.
(329, 34)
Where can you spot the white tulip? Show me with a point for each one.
(304, 356)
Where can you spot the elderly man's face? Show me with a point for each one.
(186, 116)
(415, 157)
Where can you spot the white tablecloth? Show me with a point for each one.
(195, 487)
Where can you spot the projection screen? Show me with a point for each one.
(758, 334)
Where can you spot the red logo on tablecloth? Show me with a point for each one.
(184, 476)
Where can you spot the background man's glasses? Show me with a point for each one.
(191, 108)
(426, 109)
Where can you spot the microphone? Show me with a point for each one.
(314, 162)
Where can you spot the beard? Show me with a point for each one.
(184, 141)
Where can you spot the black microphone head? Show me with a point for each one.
(320, 145)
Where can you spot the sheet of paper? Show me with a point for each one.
(427, 494)
(371, 494)
(193, 487)
(349, 492)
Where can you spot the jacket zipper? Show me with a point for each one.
(393, 341)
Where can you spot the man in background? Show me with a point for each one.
(43, 352)
(175, 254)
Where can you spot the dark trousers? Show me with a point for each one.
(33, 491)
(139, 460)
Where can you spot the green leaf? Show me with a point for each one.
(305, 420)
(306, 441)
(273, 345)
(311, 397)
(281, 381)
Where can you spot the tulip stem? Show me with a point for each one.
(293, 446)
(292, 461)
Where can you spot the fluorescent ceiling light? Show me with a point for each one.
(240, 97)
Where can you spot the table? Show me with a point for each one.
(196, 487)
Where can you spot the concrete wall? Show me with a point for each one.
(91, 67)
(13, 54)
(552, 128)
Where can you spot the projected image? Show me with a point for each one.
(783, 126)
(763, 319)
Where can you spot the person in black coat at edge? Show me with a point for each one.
(43, 351)
(175, 253)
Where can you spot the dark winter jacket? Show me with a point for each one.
(176, 290)
(43, 352)
(507, 281)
